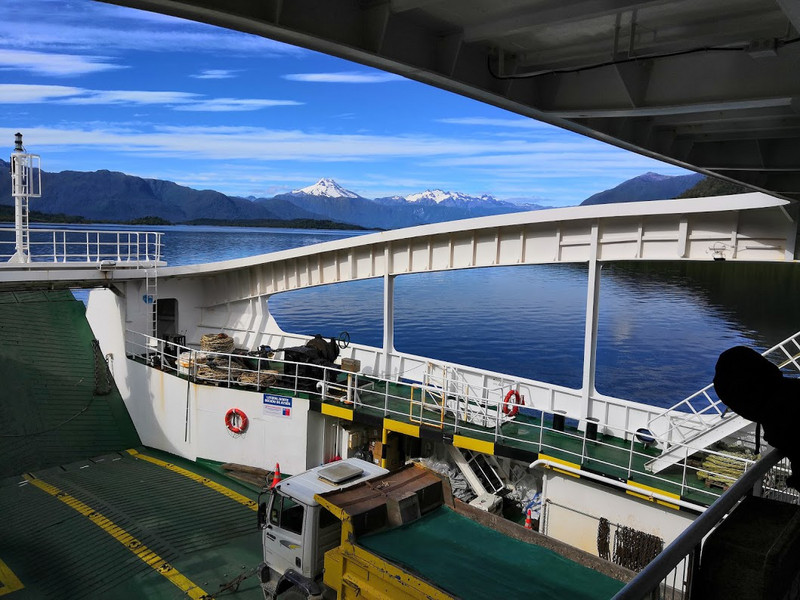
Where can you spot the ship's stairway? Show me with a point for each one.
(454, 394)
(482, 472)
(701, 420)
(724, 427)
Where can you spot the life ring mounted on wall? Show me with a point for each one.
(511, 408)
(236, 420)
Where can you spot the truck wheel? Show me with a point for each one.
(293, 593)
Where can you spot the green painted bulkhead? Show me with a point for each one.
(58, 401)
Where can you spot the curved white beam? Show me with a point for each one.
(746, 227)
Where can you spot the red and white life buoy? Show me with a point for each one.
(233, 416)
(511, 408)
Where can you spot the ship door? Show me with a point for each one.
(166, 318)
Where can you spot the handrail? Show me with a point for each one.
(651, 576)
(125, 247)
(653, 496)
(480, 408)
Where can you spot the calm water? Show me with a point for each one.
(661, 326)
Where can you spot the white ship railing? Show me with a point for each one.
(669, 575)
(125, 248)
(472, 410)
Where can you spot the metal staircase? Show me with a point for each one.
(699, 421)
(481, 471)
(470, 404)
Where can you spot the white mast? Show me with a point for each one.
(26, 183)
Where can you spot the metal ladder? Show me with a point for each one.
(480, 471)
(487, 470)
(150, 297)
(26, 232)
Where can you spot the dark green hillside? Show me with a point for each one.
(650, 186)
(711, 186)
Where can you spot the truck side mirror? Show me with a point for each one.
(262, 515)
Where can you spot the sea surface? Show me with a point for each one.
(660, 330)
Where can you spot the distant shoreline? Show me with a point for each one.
(36, 217)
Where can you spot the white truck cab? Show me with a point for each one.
(297, 531)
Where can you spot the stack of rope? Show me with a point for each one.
(217, 342)
(258, 379)
(722, 469)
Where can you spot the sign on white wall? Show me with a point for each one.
(277, 406)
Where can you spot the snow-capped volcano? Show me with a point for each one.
(439, 197)
(327, 188)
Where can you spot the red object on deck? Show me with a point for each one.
(276, 476)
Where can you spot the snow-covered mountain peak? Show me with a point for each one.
(327, 188)
(439, 196)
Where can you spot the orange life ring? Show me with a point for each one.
(509, 408)
(229, 420)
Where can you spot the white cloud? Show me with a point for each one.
(583, 158)
(345, 77)
(94, 26)
(234, 104)
(53, 64)
(132, 97)
(216, 74)
(11, 93)
(520, 123)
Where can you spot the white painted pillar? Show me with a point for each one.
(590, 332)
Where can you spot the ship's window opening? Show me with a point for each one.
(526, 320)
(166, 317)
(287, 514)
(354, 306)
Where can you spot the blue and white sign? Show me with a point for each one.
(277, 406)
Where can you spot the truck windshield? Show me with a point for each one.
(286, 514)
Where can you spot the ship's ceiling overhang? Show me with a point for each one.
(710, 85)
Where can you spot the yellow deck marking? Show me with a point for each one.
(652, 489)
(141, 551)
(337, 411)
(241, 499)
(8, 581)
(473, 444)
(400, 427)
(566, 463)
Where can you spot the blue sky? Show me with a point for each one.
(94, 86)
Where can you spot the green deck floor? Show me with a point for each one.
(57, 551)
(474, 562)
